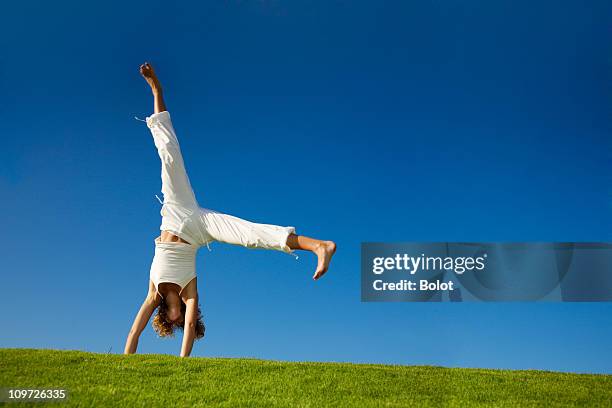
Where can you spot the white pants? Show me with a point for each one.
(181, 213)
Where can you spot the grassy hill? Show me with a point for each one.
(161, 380)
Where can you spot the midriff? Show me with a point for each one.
(167, 236)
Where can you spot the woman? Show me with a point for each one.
(185, 227)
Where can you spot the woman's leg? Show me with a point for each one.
(324, 250)
(176, 187)
(146, 70)
(175, 182)
(237, 231)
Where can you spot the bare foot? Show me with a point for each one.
(147, 72)
(324, 252)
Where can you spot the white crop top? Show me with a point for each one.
(173, 262)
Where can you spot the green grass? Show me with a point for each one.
(161, 380)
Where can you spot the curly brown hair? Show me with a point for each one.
(164, 327)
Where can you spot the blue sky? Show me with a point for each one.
(353, 121)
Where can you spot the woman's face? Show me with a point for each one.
(174, 312)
